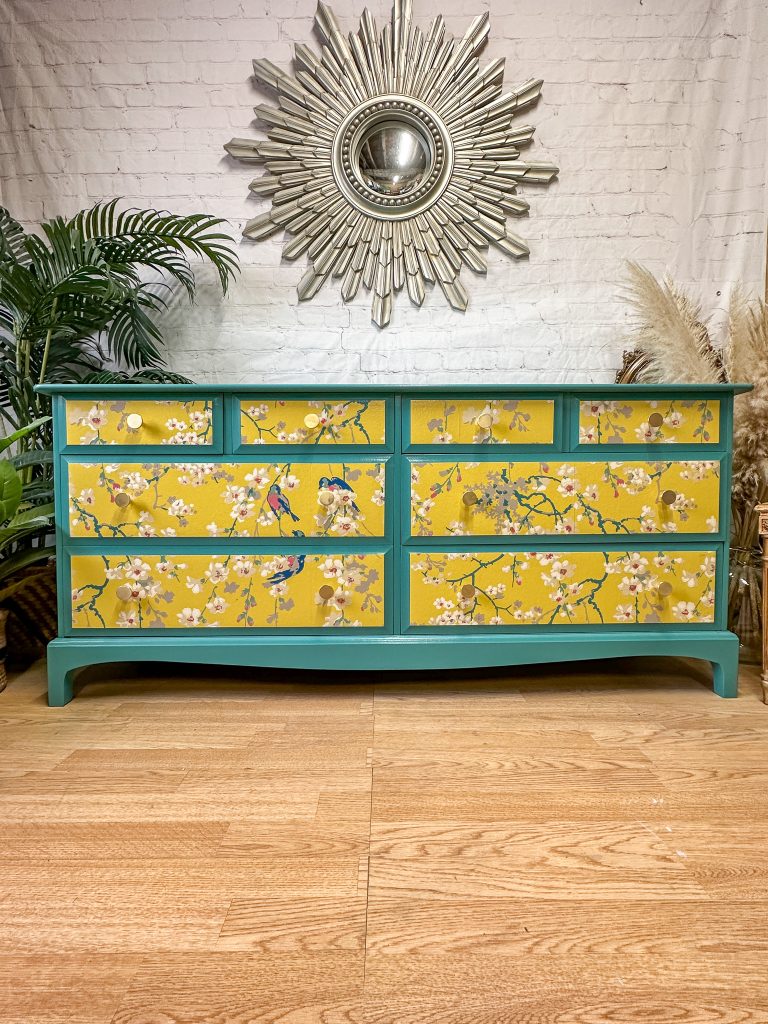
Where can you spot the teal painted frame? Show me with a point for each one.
(398, 647)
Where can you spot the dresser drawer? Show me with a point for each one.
(141, 423)
(227, 499)
(493, 499)
(654, 421)
(313, 421)
(561, 588)
(296, 590)
(480, 421)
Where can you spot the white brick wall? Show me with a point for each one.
(655, 111)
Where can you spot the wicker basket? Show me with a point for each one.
(3, 676)
(31, 620)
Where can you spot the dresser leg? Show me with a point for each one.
(726, 675)
(60, 678)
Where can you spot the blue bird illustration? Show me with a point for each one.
(279, 504)
(335, 483)
(293, 568)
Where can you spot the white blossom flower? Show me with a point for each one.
(127, 619)
(684, 610)
(96, 417)
(217, 572)
(189, 616)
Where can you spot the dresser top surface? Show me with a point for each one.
(587, 390)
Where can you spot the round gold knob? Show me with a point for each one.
(665, 589)
(133, 421)
(669, 497)
(325, 498)
(122, 500)
(655, 419)
(470, 498)
(484, 420)
(468, 591)
(311, 420)
(124, 592)
(326, 592)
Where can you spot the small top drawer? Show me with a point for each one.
(481, 420)
(313, 421)
(650, 421)
(139, 422)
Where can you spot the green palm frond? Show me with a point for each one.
(133, 336)
(148, 376)
(160, 240)
(68, 288)
(12, 237)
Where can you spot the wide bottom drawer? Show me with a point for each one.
(300, 590)
(561, 588)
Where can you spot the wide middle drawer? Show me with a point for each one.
(492, 499)
(227, 499)
(285, 589)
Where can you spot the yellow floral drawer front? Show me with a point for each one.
(483, 421)
(211, 499)
(139, 423)
(503, 498)
(313, 422)
(249, 591)
(562, 588)
(676, 421)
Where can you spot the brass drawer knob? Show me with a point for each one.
(665, 589)
(669, 497)
(655, 419)
(470, 498)
(326, 592)
(484, 420)
(325, 497)
(124, 593)
(133, 421)
(122, 500)
(311, 420)
(468, 591)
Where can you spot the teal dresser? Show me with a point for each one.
(391, 528)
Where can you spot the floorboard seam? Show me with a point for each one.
(370, 833)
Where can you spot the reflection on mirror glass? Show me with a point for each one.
(393, 159)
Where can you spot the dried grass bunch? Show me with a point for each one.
(673, 345)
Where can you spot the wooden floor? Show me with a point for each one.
(535, 846)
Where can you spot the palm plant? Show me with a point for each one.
(74, 302)
(22, 514)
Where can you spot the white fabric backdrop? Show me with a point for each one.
(656, 113)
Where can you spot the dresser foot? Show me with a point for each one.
(726, 675)
(60, 677)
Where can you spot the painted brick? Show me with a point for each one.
(656, 113)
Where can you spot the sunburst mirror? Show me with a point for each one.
(392, 158)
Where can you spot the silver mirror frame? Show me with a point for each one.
(429, 82)
(346, 146)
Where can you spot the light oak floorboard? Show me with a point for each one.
(578, 845)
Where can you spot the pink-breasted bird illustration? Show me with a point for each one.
(335, 483)
(279, 504)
